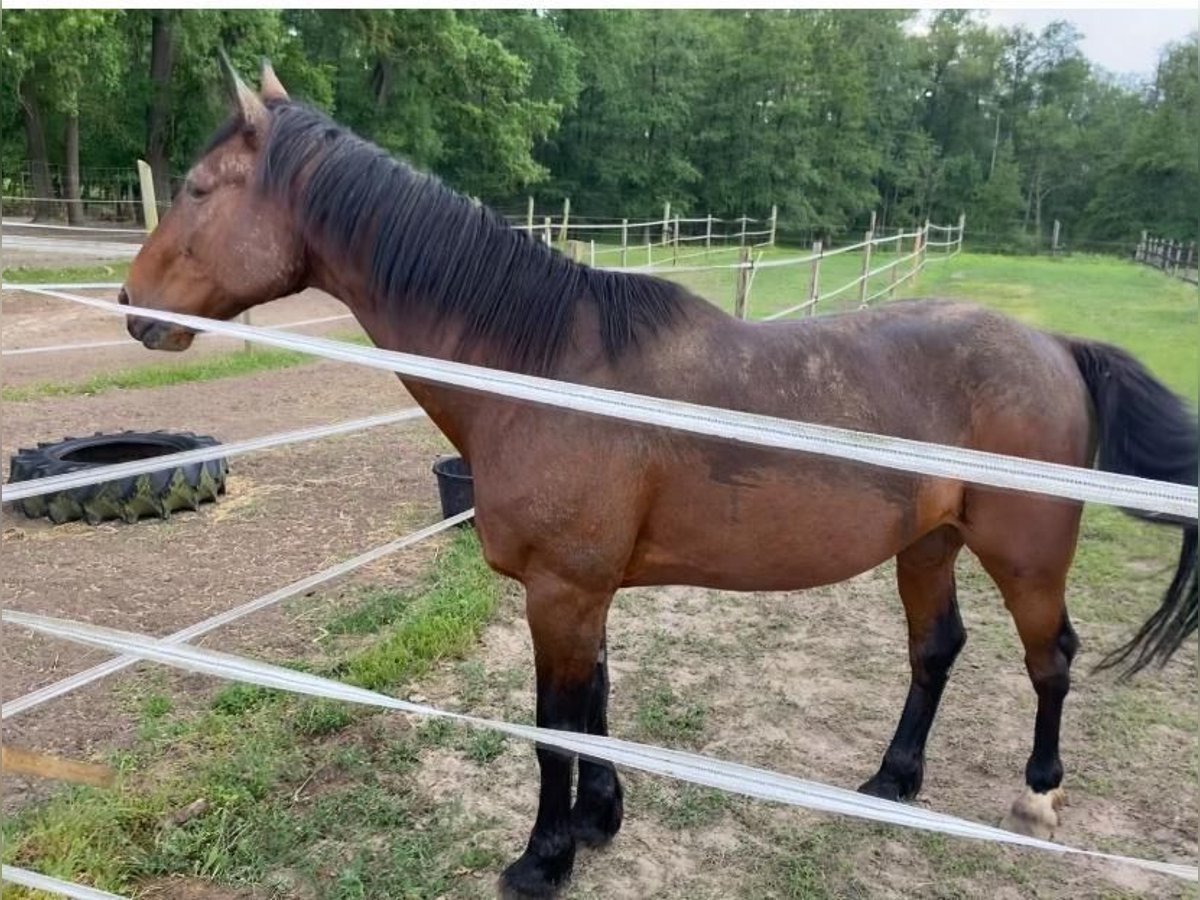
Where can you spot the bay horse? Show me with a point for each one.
(576, 507)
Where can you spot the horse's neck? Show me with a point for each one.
(453, 411)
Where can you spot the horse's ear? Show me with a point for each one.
(271, 88)
(250, 108)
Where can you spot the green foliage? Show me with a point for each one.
(826, 113)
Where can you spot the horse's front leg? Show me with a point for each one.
(567, 624)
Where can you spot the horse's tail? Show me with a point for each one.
(1145, 430)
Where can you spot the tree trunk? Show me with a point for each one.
(162, 59)
(39, 162)
(74, 204)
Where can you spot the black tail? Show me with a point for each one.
(1146, 430)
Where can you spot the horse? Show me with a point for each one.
(576, 507)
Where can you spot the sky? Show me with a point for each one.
(1124, 41)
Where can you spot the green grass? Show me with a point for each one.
(1151, 315)
(156, 375)
(114, 272)
(284, 802)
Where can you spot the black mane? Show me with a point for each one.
(423, 243)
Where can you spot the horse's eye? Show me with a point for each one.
(195, 191)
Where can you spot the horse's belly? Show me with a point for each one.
(775, 532)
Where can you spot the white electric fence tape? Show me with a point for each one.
(936, 460)
(692, 767)
(25, 878)
(104, 669)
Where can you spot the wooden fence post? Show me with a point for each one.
(1140, 253)
(894, 271)
(925, 243)
(563, 232)
(529, 216)
(666, 225)
(916, 265)
(149, 203)
(624, 242)
(814, 280)
(775, 222)
(708, 233)
(866, 267)
(742, 237)
(592, 255)
(649, 253)
(675, 243)
(546, 238)
(1054, 238)
(743, 284)
(574, 251)
(962, 227)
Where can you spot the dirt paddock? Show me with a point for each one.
(809, 683)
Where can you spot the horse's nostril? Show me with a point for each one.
(123, 298)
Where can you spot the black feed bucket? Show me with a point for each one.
(454, 486)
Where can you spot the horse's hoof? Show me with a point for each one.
(887, 786)
(1035, 815)
(534, 878)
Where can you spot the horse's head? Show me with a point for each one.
(224, 246)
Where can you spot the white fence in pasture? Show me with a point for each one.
(1173, 257)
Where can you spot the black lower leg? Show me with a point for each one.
(599, 804)
(903, 768)
(550, 854)
(1052, 681)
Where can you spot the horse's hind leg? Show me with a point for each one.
(925, 573)
(1028, 555)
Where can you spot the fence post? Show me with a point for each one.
(1054, 238)
(1139, 254)
(563, 232)
(862, 284)
(924, 243)
(592, 256)
(649, 252)
(546, 231)
(775, 222)
(962, 227)
(529, 216)
(666, 222)
(574, 251)
(149, 203)
(675, 242)
(624, 242)
(814, 281)
(894, 271)
(708, 233)
(916, 266)
(743, 283)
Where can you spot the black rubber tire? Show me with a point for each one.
(129, 499)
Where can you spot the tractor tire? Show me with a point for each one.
(129, 499)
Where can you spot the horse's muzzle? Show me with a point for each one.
(155, 335)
